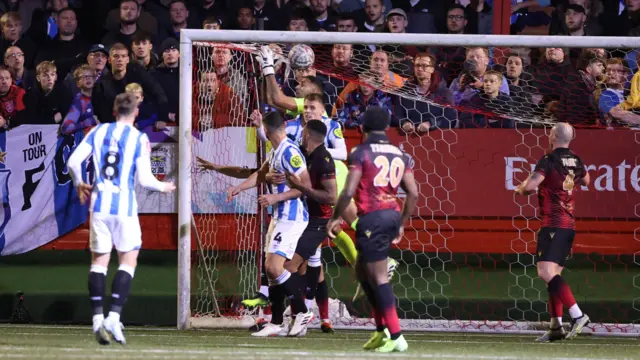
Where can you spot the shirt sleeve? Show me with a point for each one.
(327, 169)
(356, 158)
(143, 166)
(607, 102)
(80, 154)
(338, 148)
(293, 161)
(543, 166)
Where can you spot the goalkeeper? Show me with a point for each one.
(313, 108)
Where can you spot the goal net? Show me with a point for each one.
(474, 115)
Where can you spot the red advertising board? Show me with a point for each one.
(473, 172)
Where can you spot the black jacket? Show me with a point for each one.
(25, 44)
(169, 79)
(41, 108)
(106, 90)
(65, 54)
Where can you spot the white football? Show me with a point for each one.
(301, 57)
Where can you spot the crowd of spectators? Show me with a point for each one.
(66, 60)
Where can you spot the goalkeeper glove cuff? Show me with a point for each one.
(268, 70)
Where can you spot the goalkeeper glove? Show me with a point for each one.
(266, 60)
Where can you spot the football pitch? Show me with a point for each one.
(77, 342)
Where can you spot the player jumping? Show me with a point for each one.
(289, 220)
(376, 170)
(559, 175)
(121, 152)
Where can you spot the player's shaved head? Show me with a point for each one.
(562, 134)
(375, 118)
(317, 129)
(273, 121)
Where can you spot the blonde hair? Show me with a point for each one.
(81, 69)
(45, 66)
(10, 16)
(133, 87)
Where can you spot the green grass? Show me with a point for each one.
(37, 342)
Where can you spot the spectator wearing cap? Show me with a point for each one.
(48, 101)
(325, 16)
(129, 17)
(141, 47)
(114, 83)
(167, 74)
(211, 8)
(11, 24)
(146, 21)
(593, 16)
(14, 60)
(575, 18)
(401, 56)
(423, 115)
(97, 60)
(11, 101)
(81, 115)
(423, 16)
(67, 49)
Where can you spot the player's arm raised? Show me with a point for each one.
(74, 164)
(252, 181)
(275, 96)
(237, 172)
(144, 173)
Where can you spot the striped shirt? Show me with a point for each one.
(333, 141)
(288, 158)
(119, 152)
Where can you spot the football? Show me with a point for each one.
(301, 56)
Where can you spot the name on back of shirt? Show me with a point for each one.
(386, 148)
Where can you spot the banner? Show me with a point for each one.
(39, 202)
(473, 172)
(231, 146)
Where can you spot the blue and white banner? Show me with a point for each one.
(39, 201)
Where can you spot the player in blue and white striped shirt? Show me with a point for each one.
(120, 153)
(289, 220)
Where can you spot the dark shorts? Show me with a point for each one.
(374, 234)
(312, 237)
(554, 244)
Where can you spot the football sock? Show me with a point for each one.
(291, 285)
(311, 281)
(97, 284)
(344, 243)
(387, 305)
(555, 309)
(561, 289)
(276, 297)
(375, 311)
(322, 299)
(120, 288)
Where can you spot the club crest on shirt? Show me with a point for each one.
(8, 106)
(338, 133)
(295, 161)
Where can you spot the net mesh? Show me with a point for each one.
(474, 121)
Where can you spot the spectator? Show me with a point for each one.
(298, 21)
(146, 21)
(358, 7)
(401, 56)
(380, 73)
(353, 101)
(427, 84)
(178, 14)
(129, 17)
(577, 104)
(611, 103)
(11, 28)
(212, 23)
(167, 74)
(114, 83)
(141, 47)
(14, 60)
(451, 58)
(423, 15)
(469, 82)
(24, 8)
(592, 23)
(209, 8)
(550, 75)
(147, 119)
(44, 23)
(244, 18)
(486, 102)
(375, 21)
(520, 82)
(67, 49)
(81, 115)
(97, 60)
(48, 101)
(216, 95)
(346, 22)
(575, 19)
(266, 14)
(235, 77)
(324, 15)
(11, 101)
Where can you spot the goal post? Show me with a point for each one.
(462, 268)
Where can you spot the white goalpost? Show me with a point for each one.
(448, 280)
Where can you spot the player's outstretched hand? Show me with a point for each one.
(266, 60)
(256, 118)
(332, 228)
(399, 237)
(274, 178)
(204, 164)
(231, 192)
(294, 181)
(267, 199)
(84, 192)
(168, 187)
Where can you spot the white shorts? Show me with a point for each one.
(108, 231)
(283, 236)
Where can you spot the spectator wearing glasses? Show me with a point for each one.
(451, 58)
(612, 106)
(14, 60)
(11, 24)
(81, 115)
(97, 60)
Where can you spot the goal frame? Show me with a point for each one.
(185, 138)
